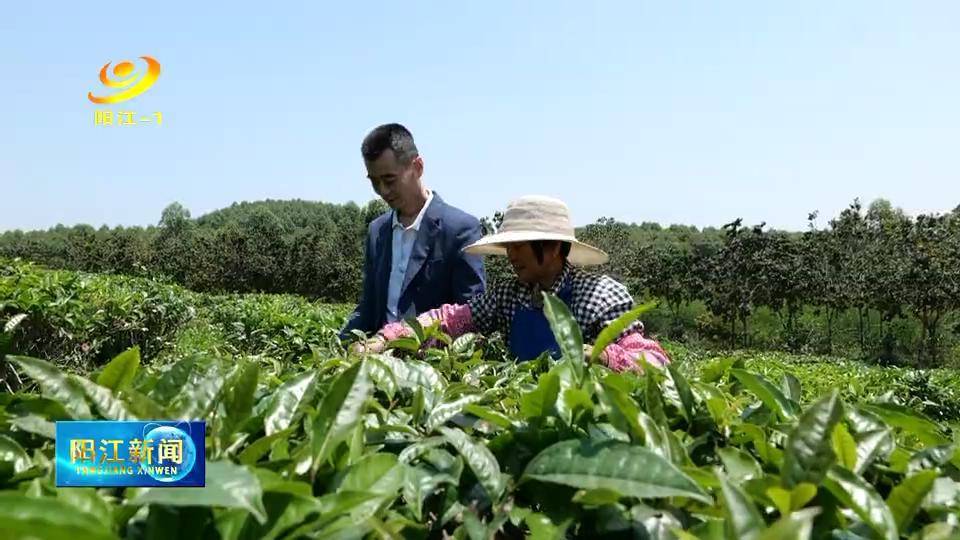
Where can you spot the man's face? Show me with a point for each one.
(524, 261)
(395, 183)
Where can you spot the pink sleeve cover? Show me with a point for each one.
(455, 320)
(623, 354)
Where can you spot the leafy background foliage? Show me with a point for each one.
(441, 437)
(871, 283)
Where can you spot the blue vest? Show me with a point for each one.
(530, 333)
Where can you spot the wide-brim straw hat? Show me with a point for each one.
(536, 217)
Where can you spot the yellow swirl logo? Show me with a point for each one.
(128, 79)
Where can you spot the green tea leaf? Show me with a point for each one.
(945, 494)
(575, 400)
(622, 411)
(36, 424)
(420, 484)
(238, 395)
(418, 405)
(715, 370)
(567, 332)
(485, 413)
(479, 459)
(227, 486)
(787, 501)
(630, 470)
(932, 457)
(142, 406)
(119, 373)
(332, 509)
(683, 390)
(938, 531)
(55, 384)
(862, 421)
(288, 401)
(417, 328)
(464, 344)
(409, 344)
(844, 446)
(543, 528)
(908, 420)
(285, 511)
(88, 501)
(421, 447)
(107, 404)
(382, 376)
(905, 499)
(653, 397)
(11, 452)
(414, 375)
(447, 410)
(740, 465)
(612, 331)
(47, 518)
(370, 474)
(808, 452)
(791, 387)
(378, 474)
(541, 402)
(770, 395)
(796, 526)
(199, 395)
(872, 445)
(710, 529)
(855, 493)
(597, 497)
(704, 476)
(27, 404)
(259, 448)
(273, 482)
(656, 438)
(340, 411)
(743, 517)
(173, 380)
(780, 498)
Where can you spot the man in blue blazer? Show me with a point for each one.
(414, 252)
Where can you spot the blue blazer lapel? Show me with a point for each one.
(383, 262)
(429, 228)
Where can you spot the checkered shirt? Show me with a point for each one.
(596, 301)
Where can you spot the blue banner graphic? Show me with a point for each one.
(109, 453)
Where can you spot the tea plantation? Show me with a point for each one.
(306, 440)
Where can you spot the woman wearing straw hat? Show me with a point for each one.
(538, 237)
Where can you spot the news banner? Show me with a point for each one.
(109, 453)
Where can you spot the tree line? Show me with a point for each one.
(872, 281)
(896, 277)
(309, 248)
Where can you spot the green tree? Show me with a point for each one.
(931, 278)
(851, 244)
(171, 249)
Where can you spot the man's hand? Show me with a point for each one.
(374, 345)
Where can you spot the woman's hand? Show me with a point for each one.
(374, 345)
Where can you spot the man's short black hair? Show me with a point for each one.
(389, 136)
(539, 245)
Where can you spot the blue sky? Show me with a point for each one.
(674, 112)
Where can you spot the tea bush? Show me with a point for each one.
(83, 320)
(424, 442)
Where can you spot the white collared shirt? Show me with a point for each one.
(403, 240)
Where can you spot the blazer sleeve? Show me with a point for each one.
(361, 318)
(467, 277)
